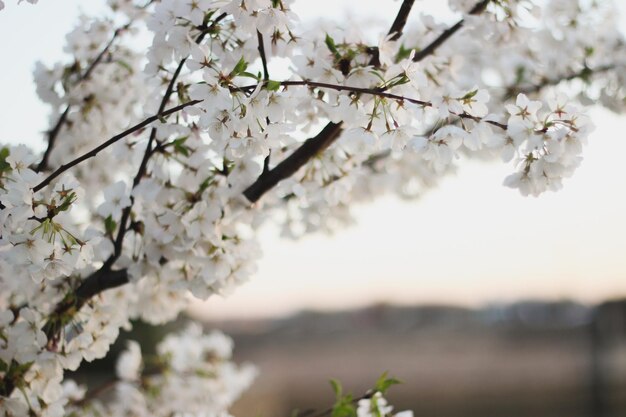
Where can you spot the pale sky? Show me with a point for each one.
(471, 241)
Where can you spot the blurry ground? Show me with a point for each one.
(538, 360)
(529, 359)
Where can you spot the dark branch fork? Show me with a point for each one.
(441, 39)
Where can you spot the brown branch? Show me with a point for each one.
(394, 32)
(266, 77)
(119, 240)
(53, 134)
(99, 282)
(266, 74)
(379, 92)
(510, 92)
(104, 278)
(441, 39)
(547, 82)
(320, 137)
(398, 25)
(293, 162)
(325, 138)
(110, 142)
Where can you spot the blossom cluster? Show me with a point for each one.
(192, 375)
(161, 164)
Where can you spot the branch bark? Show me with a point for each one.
(293, 162)
(111, 141)
(398, 24)
(547, 82)
(441, 39)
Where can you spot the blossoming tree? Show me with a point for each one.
(162, 162)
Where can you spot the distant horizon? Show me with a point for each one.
(197, 311)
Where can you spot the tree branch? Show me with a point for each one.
(441, 39)
(266, 77)
(53, 134)
(398, 25)
(119, 240)
(111, 141)
(331, 131)
(379, 92)
(293, 162)
(266, 74)
(269, 178)
(98, 282)
(547, 82)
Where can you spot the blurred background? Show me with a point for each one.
(529, 358)
(483, 302)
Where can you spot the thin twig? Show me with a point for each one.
(121, 233)
(53, 134)
(293, 162)
(266, 74)
(398, 25)
(111, 141)
(441, 39)
(583, 73)
(266, 77)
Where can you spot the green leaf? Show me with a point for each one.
(249, 75)
(585, 74)
(180, 147)
(272, 85)
(336, 385)
(469, 95)
(345, 408)
(384, 383)
(125, 65)
(330, 43)
(67, 202)
(110, 225)
(4, 165)
(520, 72)
(344, 404)
(403, 53)
(239, 67)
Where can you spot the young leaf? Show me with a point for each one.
(336, 387)
(109, 225)
(272, 85)
(384, 383)
(239, 67)
(330, 43)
